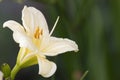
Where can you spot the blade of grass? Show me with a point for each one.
(83, 76)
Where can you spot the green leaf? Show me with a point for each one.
(19, 1)
(46, 1)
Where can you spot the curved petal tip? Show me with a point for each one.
(46, 68)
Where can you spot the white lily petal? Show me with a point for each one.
(14, 26)
(59, 45)
(33, 18)
(46, 68)
(24, 41)
(19, 34)
(1, 75)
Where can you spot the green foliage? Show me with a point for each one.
(19, 1)
(84, 75)
(46, 1)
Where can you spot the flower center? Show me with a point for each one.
(38, 33)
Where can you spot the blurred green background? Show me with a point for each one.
(93, 24)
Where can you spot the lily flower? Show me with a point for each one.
(1, 75)
(36, 42)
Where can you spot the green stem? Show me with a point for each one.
(84, 75)
(14, 71)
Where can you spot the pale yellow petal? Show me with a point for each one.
(33, 18)
(57, 46)
(1, 75)
(46, 68)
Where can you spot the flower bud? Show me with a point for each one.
(5, 68)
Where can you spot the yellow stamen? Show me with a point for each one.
(38, 33)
